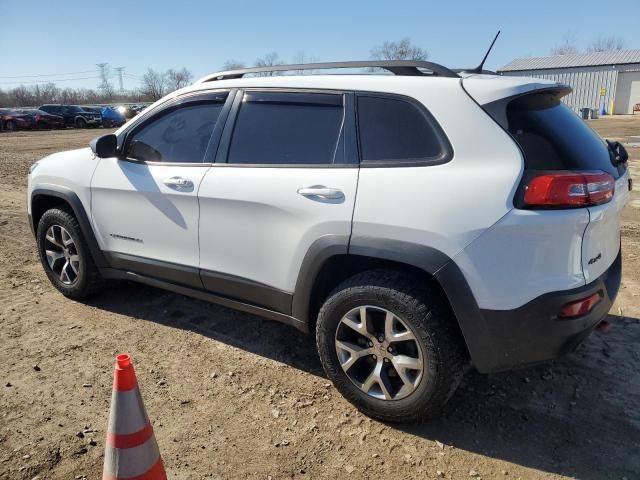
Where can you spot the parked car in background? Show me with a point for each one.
(74, 116)
(13, 120)
(41, 120)
(112, 117)
(126, 111)
(3, 112)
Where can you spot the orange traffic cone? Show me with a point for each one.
(131, 450)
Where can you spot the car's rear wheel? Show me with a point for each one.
(390, 345)
(10, 125)
(41, 126)
(65, 256)
(81, 123)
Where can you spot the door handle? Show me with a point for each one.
(321, 191)
(178, 183)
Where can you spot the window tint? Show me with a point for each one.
(181, 135)
(552, 137)
(287, 128)
(394, 129)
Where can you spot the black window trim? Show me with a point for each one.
(348, 130)
(201, 96)
(446, 147)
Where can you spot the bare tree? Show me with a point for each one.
(177, 79)
(154, 84)
(269, 60)
(233, 65)
(606, 44)
(401, 50)
(303, 57)
(567, 46)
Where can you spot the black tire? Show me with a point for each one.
(42, 126)
(10, 126)
(88, 281)
(429, 319)
(81, 123)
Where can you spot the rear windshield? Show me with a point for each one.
(553, 137)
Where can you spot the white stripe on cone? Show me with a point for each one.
(127, 414)
(130, 462)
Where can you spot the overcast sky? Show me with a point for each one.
(63, 40)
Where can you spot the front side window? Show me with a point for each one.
(287, 128)
(180, 135)
(395, 130)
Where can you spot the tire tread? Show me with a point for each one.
(420, 304)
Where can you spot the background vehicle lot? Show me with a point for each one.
(232, 395)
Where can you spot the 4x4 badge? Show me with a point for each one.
(595, 259)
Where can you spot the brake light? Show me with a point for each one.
(569, 189)
(581, 307)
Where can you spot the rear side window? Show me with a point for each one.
(398, 131)
(553, 137)
(180, 135)
(288, 129)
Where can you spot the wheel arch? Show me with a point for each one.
(43, 199)
(328, 263)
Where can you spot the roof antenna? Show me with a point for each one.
(478, 69)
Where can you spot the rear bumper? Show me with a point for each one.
(534, 333)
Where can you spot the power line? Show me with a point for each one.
(48, 74)
(49, 81)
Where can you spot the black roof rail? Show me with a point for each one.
(397, 67)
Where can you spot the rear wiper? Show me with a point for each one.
(618, 153)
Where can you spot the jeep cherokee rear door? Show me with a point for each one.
(285, 178)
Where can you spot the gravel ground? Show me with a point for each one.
(234, 396)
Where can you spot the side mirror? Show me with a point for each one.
(104, 146)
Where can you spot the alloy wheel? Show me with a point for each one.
(379, 353)
(62, 254)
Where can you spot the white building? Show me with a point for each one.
(609, 80)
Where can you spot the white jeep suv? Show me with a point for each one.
(417, 221)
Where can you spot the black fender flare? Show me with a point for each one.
(428, 259)
(79, 212)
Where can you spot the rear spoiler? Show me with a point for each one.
(497, 108)
(486, 89)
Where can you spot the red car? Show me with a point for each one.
(28, 119)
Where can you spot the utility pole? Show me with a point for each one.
(120, 70)
(103, 74)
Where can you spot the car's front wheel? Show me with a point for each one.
(390, 345)
(65, 255)
(81, 123)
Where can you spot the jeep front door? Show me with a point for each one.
(145, 205)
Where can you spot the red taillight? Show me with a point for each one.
(581, 307)
(569, 189)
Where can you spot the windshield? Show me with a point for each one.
(31, 111)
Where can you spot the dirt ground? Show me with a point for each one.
(234, 396)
